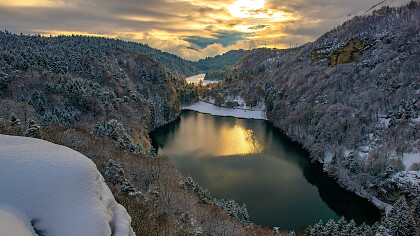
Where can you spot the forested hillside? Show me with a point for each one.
(185, 68)
(70, 79)
(350, 98)
(217, 62)
(102, 98)
(177, 65)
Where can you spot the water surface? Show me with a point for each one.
(200, 77)
(252, 163)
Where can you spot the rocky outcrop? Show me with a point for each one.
(349, 53)
(340, 54)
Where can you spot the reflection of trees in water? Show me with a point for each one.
(341, 201)
(164, 133)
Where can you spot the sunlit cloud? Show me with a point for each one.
(192, 29)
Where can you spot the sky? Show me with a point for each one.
(190, 29)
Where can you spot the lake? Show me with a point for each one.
(200, 77)
(253, 163)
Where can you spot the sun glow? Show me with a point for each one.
(246, 8)
(255, 16)
(32, 3)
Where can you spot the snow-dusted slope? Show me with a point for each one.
(389, 3)
(57, 189)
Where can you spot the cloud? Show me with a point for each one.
(224, 38)
(257, 27)
(189, 28)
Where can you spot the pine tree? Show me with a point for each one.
(14, 120)
(33, 130)
(400, 220)
(317, 229)
(329, 228)
(352, 227)
(365, 230)
(340, 225)
(382, 231)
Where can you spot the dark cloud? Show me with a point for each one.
(188, 28)
(225, 38)
(322, 9)
(258, 27)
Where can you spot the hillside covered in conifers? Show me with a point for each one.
(102, 98)
(350, 98)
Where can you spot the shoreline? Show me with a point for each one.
(209, 108)
(206, 107)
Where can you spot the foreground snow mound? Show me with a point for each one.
(57, 190)
(14, 223)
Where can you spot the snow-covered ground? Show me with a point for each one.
(410, 158)
(208, 108)
(57, 190)
(197, 78)
(13, 222)
(389, 3)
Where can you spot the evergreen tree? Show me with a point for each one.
(317, 229)
(365, 230)
(32, 129)
(329, 228)
(382, 231)
(14, 120)
(340, 225)
(400, 220)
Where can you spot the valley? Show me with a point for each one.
(335, 120)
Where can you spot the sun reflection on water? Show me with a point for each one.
(238, 141)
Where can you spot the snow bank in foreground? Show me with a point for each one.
(57, 189)
(14, 223)
(204, 107)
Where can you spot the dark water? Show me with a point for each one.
(252, 163)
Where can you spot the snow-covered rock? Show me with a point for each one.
(57, 190)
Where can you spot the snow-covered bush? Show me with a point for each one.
(32, 129)
(14, 120)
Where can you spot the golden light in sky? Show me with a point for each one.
(255, 15)
(246, 8)
(192, 29)
(33, 3)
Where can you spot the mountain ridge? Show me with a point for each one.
(350, 98)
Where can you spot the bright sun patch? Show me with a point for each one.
(246, 8)
(255, 16)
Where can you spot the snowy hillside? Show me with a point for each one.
(350, 98)
(385, 3)
(56, 190)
